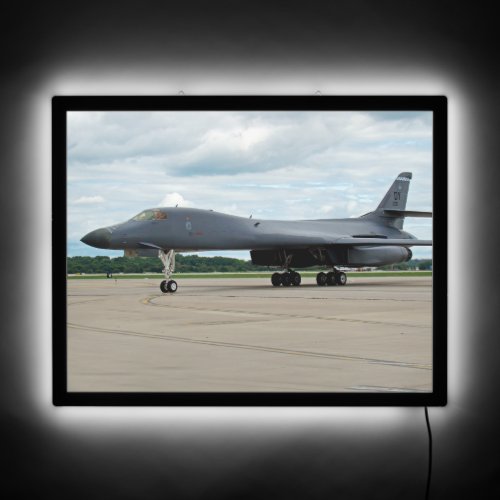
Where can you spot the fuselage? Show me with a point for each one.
(190, 229)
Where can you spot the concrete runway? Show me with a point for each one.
(372, 335)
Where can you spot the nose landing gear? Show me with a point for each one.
(168, 260)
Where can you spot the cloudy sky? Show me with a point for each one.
(271, 165)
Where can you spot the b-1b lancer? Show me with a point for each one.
(374, 239)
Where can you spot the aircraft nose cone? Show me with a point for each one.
(100, 238)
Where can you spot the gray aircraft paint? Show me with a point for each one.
(376, 238)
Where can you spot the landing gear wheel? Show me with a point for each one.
(295, 278)
(285, 279)
(321, 279)
(168, 286)
(330, 279)
(276, 279)
(341, 278)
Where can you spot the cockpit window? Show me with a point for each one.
(151, 215)
(159, 215)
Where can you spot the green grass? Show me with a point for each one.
(307, 274)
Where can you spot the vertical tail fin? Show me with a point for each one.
(395, 198)
(391, 210)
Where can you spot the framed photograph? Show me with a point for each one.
(249, 250)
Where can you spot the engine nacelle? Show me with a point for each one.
(359, 256)
(377, 256)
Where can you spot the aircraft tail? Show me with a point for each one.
(396, 196)
(392, 209)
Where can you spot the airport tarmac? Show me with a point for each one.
(243, 334)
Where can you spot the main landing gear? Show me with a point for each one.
(288, 278)
(293, 278)
(168, 260)
(331, 278)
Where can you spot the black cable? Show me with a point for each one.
(430, 454)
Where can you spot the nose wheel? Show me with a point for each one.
(168, 286)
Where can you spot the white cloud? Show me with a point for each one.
(174, 199)
(89, 200)
(274, 165)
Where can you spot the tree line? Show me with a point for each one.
(188, 264)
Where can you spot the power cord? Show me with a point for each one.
(430, 454)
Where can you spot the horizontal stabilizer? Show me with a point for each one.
(406, 213)
(407, 242)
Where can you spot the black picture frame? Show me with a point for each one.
(61, 105)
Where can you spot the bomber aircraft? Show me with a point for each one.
(374, 239)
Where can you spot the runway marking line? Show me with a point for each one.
(376, 388)
(341, 357)
(149, 301)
